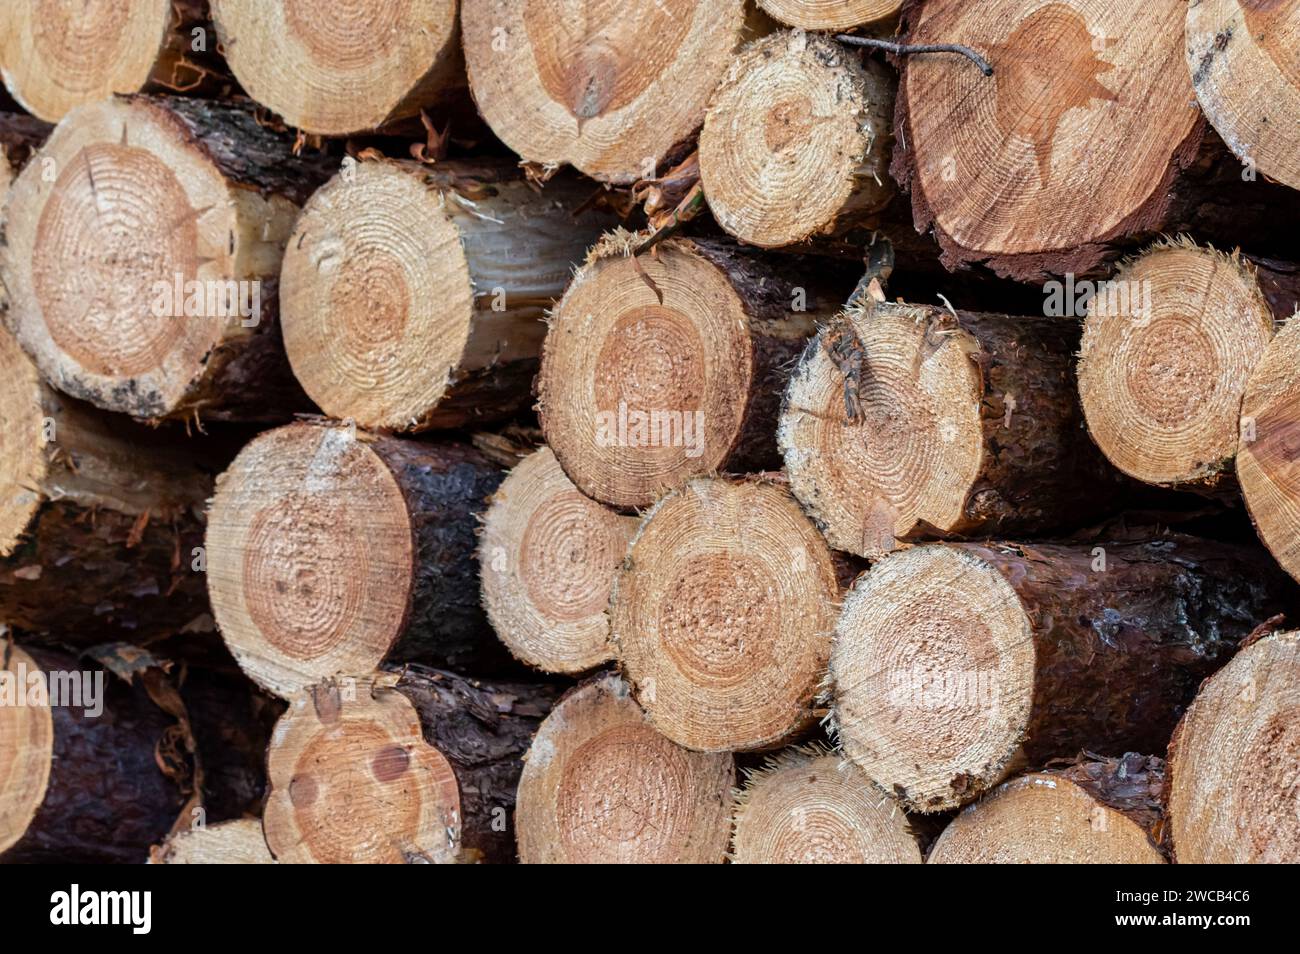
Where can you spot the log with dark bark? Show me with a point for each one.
(412, 766)
(334, 71)
(60, 56)
(902, 422)
(143, 279)
(1085, 138)
(833, 14)
(601, 786)
(812, 806)
(954, 665)
(82, 782)
(722, 615)
(330, 550)
(1268, 457)
(1167, 348)
(100, 519)
(414, 296)
(796, 141)
(1246, 70)
(1232, 761)
(238, 842)
(20, 136)
(669, 365)
(547, 559)
(1095, 811)
(610, 88)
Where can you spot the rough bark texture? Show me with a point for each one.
(1120, 652)
(446, 486)
(483, 729)
(1133, 784)
(107, 799)
(20, 136)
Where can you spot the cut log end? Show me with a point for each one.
(310, 557)
(343, 69)
(653, 368)
(548, 556)
(722, 615)
(600, 785)
(933, 674)
(831, 14)
(1268, 460)
(26, 750)
(134, 185)
(796, 142)
(1233, 47)
(57, 57)
(810, 806)
(913, 447)
(407, 301)
(1232, 761)
(581, 85)
(354, 782)
(993, 162)
(1167, 349)
(238, 842)
(1044, 818)
(23, 440)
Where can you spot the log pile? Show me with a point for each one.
(671, 431)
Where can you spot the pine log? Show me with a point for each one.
(666, 366)
(337, 70)
(1268, 458)
(143, 278)
(954, 665)
(77, 784)
(601, 786)
(1246, 71)
(547, 559)
(1167, 350)
(20, 136)
(57, 56)
(413, 297)
(1097, 811)
(796, 141)
(418, 766)
(904, 421)
(609, 88)
(238, 842)
(832, 14)
(330, 550)
(722, 615)
(99, 518)
(1233, 758)
(810, 805)
(1085, 139)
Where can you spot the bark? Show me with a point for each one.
(20, 136)
(104, 518)
(114, 787)
(483, 729)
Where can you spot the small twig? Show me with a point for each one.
(904, 49)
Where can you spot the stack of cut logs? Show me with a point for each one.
(650, 431)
